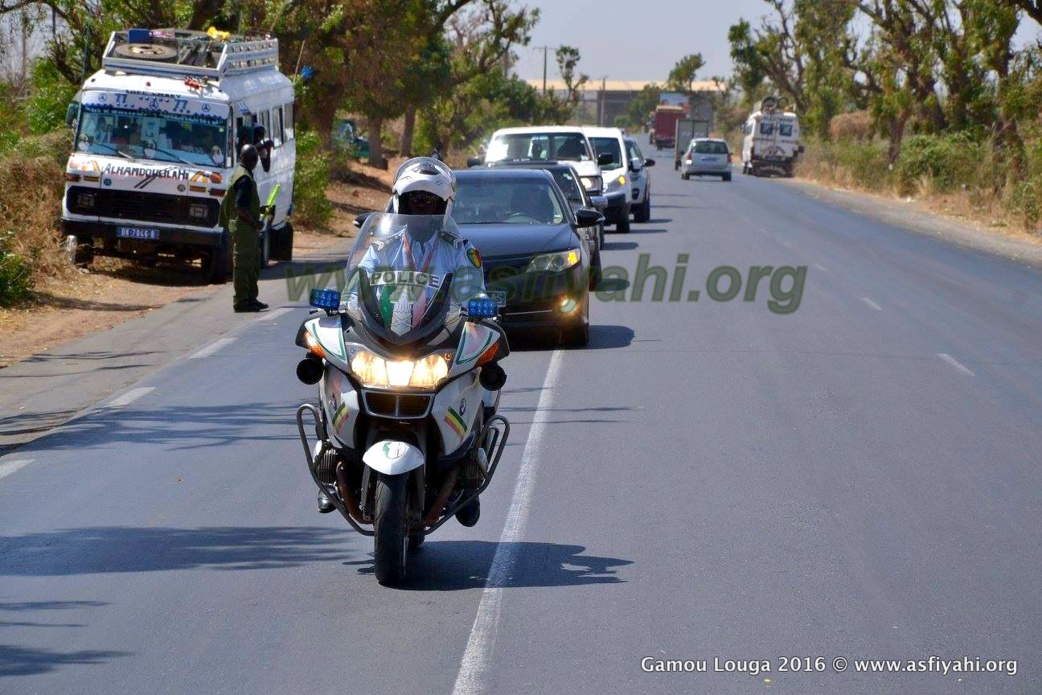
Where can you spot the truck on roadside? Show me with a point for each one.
(665, 124)
(156, 137)
(688, 129)
(771, 140)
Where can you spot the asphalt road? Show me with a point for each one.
(857, 478)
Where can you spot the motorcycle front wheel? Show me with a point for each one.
(389, 524)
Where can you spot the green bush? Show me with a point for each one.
(16, 273)
(310, 204)
(949, 160)
(50, 97)
(866, 162)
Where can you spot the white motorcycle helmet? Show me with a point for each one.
(418, 182)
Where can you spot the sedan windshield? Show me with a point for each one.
(196, 140)
(506, 201)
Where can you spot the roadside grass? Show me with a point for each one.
(952, 175)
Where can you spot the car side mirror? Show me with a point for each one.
(474, 162)
(598, 201)
(360, 219)
(604, 159)
(585, 217)
(71, 114)
(649, 162)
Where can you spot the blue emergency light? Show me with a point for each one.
(482, 308)
(325, 299)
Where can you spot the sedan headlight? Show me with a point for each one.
(591, 183)
(373, 370)
(554, 262)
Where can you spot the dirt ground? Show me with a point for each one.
(114, 290)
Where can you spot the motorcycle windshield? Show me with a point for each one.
(401, 270)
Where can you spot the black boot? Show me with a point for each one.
(325, 505)
(469, 515)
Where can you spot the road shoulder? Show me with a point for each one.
(1021, 248)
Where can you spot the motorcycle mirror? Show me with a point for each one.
(360, 219)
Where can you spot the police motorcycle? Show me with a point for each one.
(406, 429)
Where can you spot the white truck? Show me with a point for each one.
(771, 139)
(157, 132)
(687, 130)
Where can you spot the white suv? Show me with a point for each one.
(617, 186)
(541, 143)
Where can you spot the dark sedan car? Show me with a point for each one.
(534, 259)
(568, 180)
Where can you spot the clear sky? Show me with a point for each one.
(643, 39)
(635, 39)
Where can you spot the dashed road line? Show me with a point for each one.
(872, 304)
(212, 348)
(955, 363)
(9, 467)
(271, 315)
(130, 396)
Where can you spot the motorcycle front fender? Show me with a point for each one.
(391, 457)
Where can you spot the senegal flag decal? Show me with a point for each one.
(474, 257)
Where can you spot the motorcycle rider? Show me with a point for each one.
(424, 187)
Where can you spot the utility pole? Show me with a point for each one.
(544, 69)
(600, 101)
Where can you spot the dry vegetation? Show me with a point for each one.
(67, 303)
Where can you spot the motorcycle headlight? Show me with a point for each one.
(373, 370)
(591, 183)
(554, 262)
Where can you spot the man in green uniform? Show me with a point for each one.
(241, 213)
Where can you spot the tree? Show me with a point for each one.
(480, 40)
(557, 108)
(682, 76)
(643, 104)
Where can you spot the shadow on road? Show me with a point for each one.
(461, 565)
(103, 550)
(24, 661)
(620, 245)
(601, 337)
(181, 427)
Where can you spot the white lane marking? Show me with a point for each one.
(821, 267)
(273, 314)
(872, 304)
(130, 396)
(212, 348)
(473, 672)
(955, 363)
(9, 467)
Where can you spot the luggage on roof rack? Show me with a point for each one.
(188, 53)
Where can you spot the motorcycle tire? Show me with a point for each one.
(415, 542)
(389, 522)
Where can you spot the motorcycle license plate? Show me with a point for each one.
(499, 296)
(137, 233)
